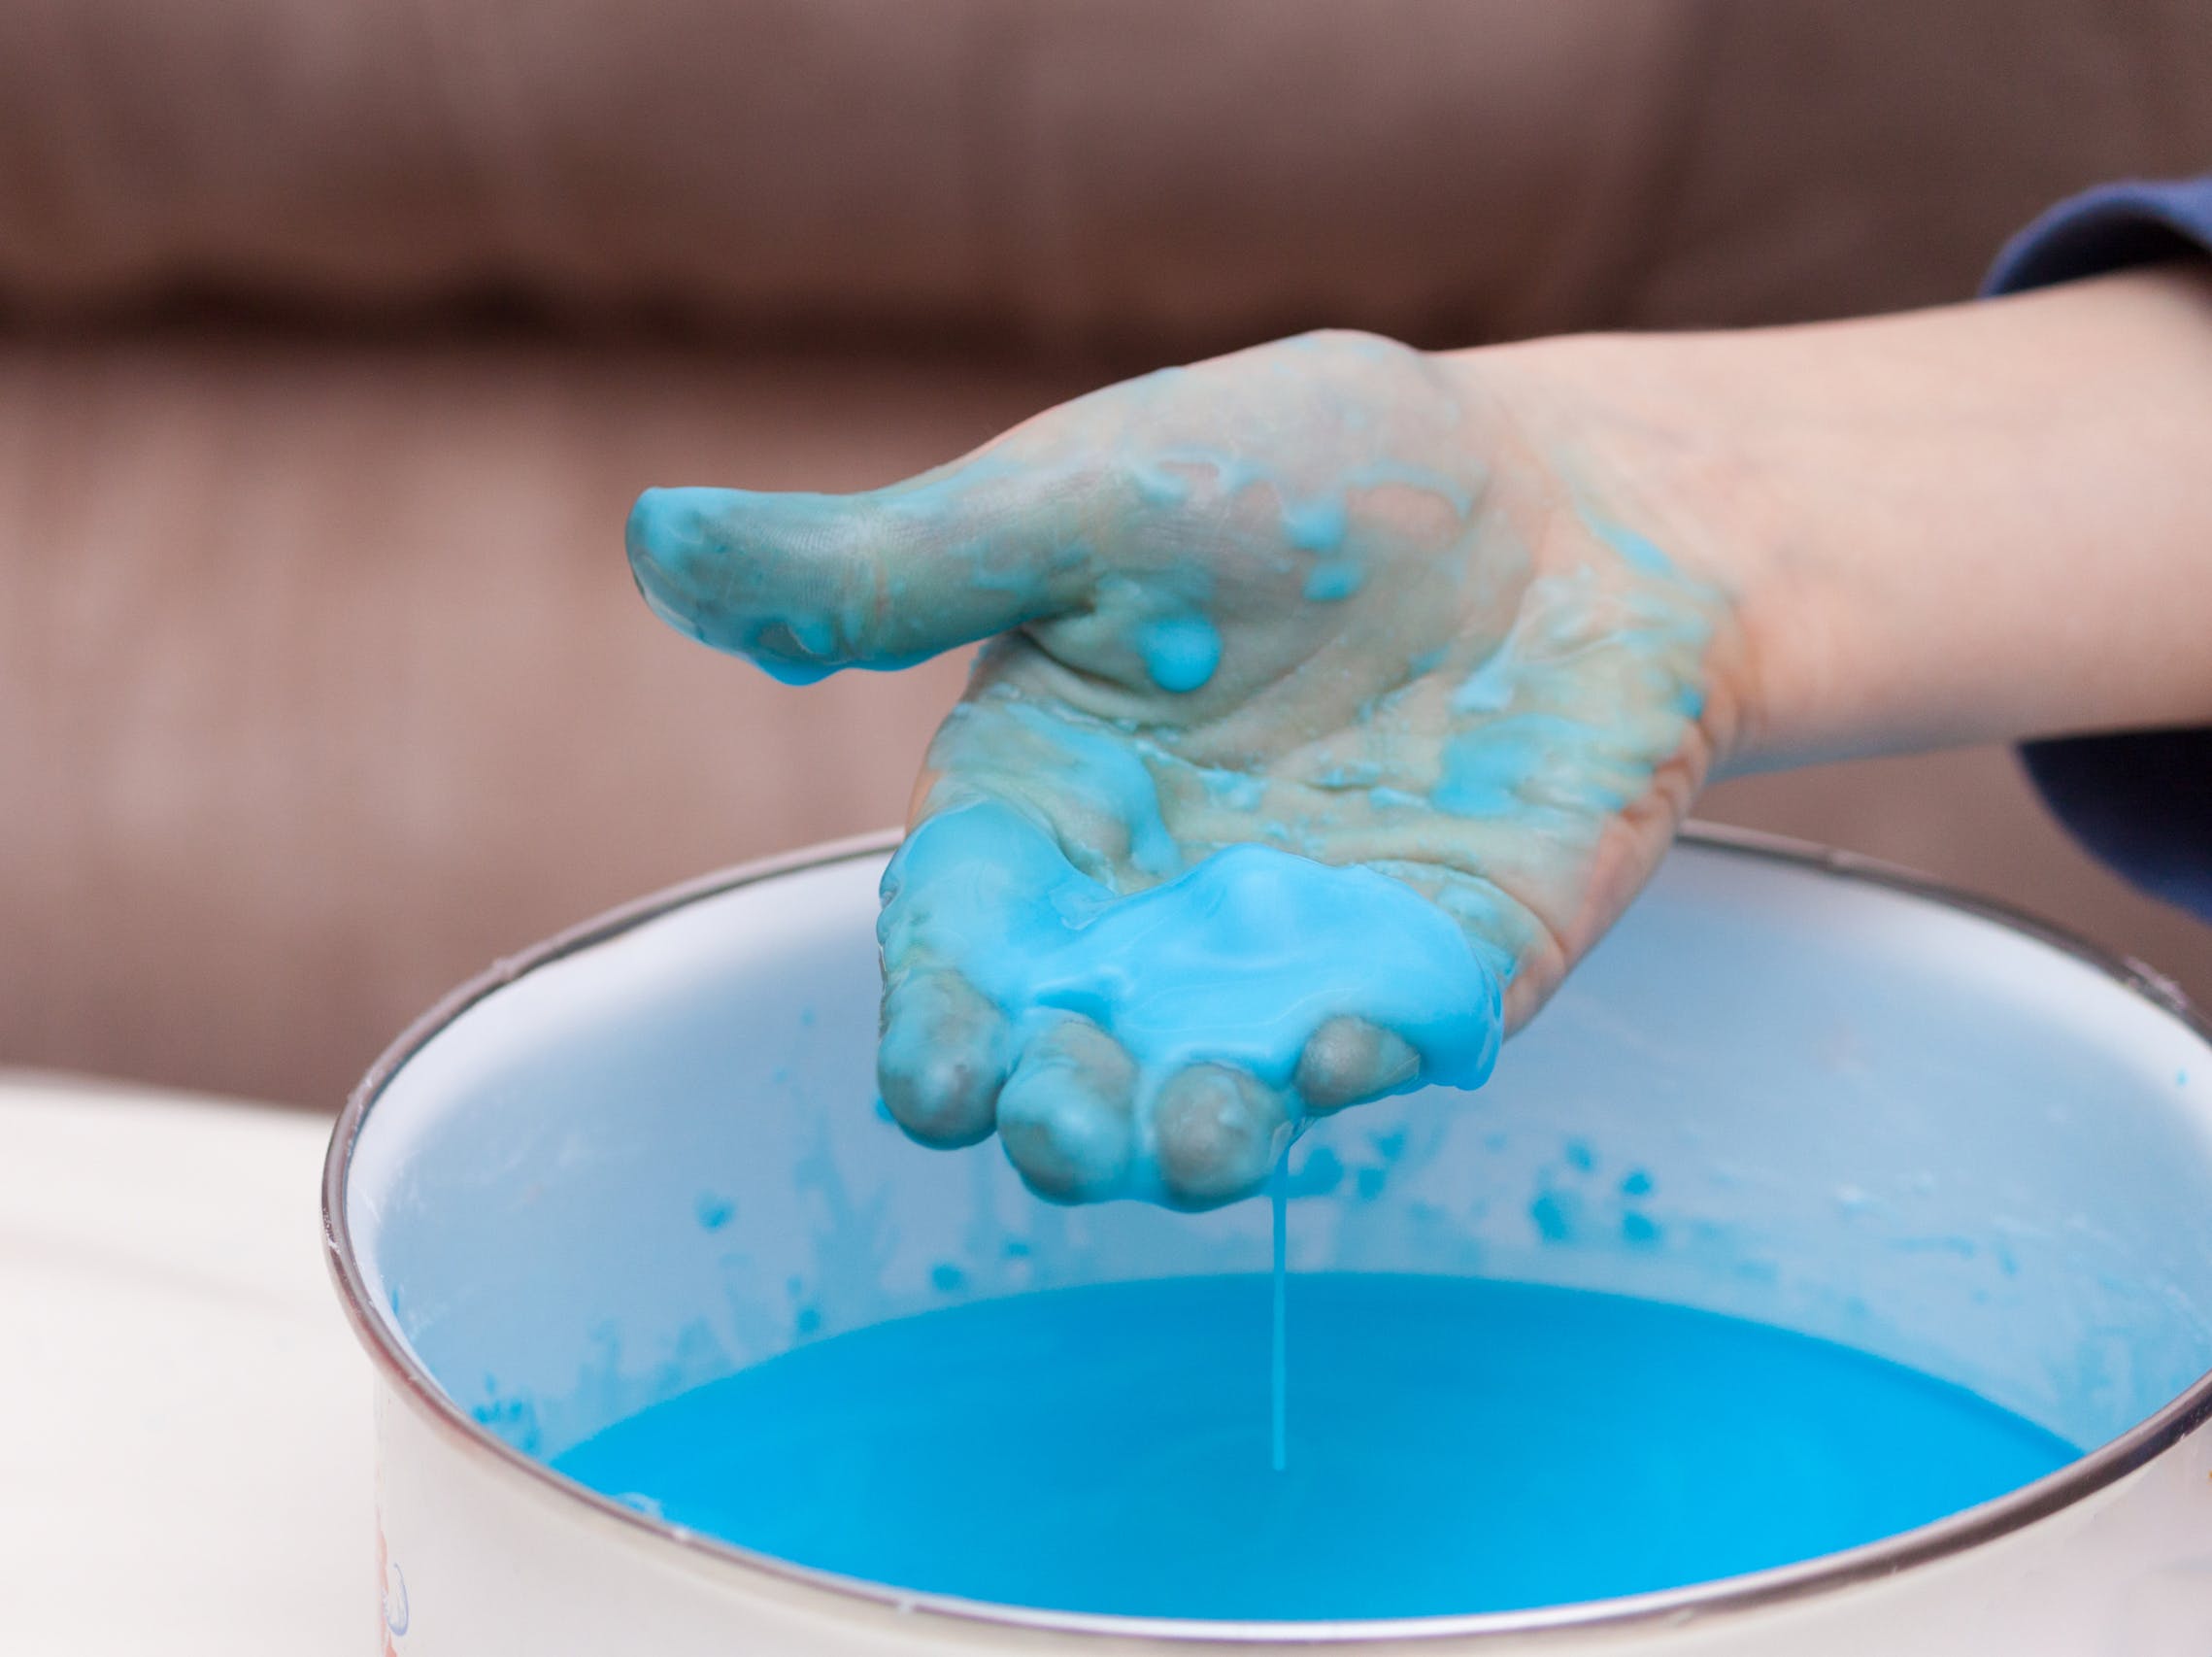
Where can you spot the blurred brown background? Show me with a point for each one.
(336, 335)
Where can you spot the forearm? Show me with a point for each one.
(1979, 523)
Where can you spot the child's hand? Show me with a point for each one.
(1324, 597)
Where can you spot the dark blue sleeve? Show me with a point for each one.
(2141, 801)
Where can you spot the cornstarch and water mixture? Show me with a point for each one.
(1453, 1446)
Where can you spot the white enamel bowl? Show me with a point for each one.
(646, 1154)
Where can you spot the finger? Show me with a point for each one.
(1347, 1061)
(1065, 1114)
(941, 1059)
(1054, 765)
(1218, 1132)
(807, 584)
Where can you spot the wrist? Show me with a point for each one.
(1647, 431)
(1979, 523)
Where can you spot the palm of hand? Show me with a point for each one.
(1319, 598)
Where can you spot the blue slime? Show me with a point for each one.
(1228, 968)
(1456, 1446)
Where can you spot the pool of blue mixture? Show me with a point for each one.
(1451, 1445)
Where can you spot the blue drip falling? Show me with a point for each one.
(1279, 1436)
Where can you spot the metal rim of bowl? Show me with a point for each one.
(1885, 1557)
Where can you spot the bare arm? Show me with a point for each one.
(1979, 523)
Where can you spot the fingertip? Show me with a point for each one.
(766, 576)
(1349, 1059)
(1064, 1115)
(940, 1063)
(668, 538)
(1218, 1132)
(650, 520)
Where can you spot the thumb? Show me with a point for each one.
(807, 584)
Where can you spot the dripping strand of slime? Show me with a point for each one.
(1279, 1375)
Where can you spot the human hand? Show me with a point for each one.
(1327, 718)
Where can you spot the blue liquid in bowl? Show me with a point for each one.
(1454, 1445)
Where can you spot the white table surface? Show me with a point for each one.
(185, 1434)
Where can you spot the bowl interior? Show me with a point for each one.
(1775, 1091)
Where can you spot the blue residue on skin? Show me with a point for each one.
(1640, 551)
(1316, 525)
(1490, 689)
(1180, 651)
(1235, 791)
(1333, 580)
(1637, 1183)
(946, 1278)
(1360, 774)
(1580, 1156)
(1492, 768)
(1640, 1230)
(1487, 768)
